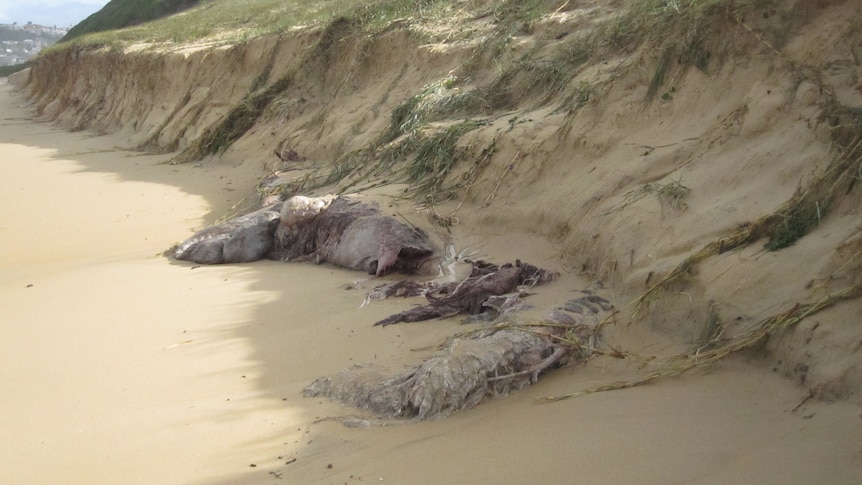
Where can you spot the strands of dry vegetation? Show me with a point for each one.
(238, 121)
(671, 194)
(791, 221)
(783, 227)
(429, 155)
(425, 158)
(796, 217)
(748, 339)
(683, 33)
(246, 114)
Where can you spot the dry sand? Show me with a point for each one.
(119, 365)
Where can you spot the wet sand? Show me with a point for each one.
(119, 365)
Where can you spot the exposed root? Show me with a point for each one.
(788, 223)
(763, 330)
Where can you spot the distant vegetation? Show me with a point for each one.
(119, 14)
(9, 70)
(123, 22)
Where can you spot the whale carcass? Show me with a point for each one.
(343, 231)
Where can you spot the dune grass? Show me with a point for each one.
(118, 14)
(9, 70)
(227, 21)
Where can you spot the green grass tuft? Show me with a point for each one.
(798, 220)
(9, 70)
(436, 156)
(229, 21)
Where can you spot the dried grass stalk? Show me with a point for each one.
(788, 223)
(681, 364)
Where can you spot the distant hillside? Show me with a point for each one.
(124, 13)
(10, 34)
(20, 44)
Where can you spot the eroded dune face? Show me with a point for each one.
(329, 229)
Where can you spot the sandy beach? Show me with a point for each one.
(119, 365)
